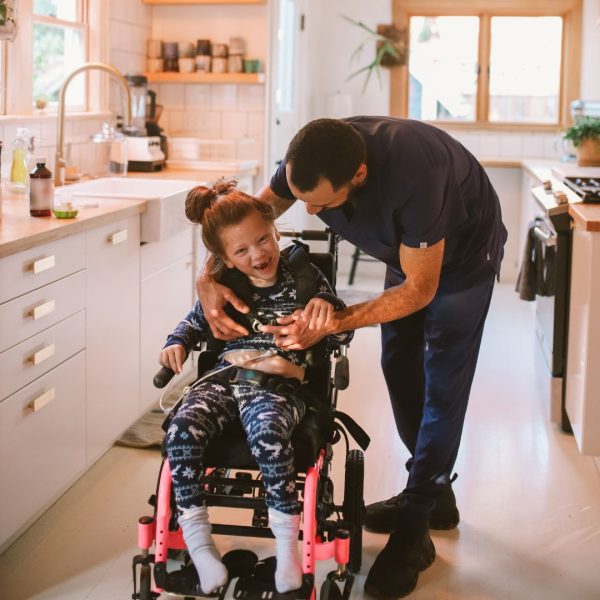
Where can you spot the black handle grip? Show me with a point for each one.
(341, 377)
(306, 234)
(163, 377)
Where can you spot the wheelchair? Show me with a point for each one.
(328, 530)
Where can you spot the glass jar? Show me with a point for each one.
(109, 153)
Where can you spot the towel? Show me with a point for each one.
(537, 273)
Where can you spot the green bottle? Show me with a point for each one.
(19, 171)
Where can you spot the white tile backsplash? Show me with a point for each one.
(223, 97)
(233, 125)
(255, 125)
(489, 144)
(173, 96)
(251, 97)
(533, 145)
(511, 145)
(196, 96)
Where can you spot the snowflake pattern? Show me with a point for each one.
(189, 473)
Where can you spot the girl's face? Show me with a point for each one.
(251, 247)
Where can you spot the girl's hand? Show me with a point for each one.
(173, 357)
(318, 313)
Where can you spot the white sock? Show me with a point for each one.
(288, 575)
(205, 556)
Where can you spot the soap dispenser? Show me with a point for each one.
(19, 170)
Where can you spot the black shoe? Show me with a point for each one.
(409, 551)
(379, 517)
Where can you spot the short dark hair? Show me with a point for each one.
(327, 148)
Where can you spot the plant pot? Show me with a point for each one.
(588, 152)
(8, 31)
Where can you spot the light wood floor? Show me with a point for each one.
(530, 504)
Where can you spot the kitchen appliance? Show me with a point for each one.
(145, 145)
(552, 228)
(588, 188)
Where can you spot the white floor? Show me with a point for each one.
(529, 502)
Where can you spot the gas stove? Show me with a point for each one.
(588, 188)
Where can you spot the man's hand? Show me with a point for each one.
(213, 297)
(294, 332)
(319, 313)
(173, 356)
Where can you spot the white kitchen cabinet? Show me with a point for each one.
(583, 374)
(42, 443)
(166, 297)
(112, 332)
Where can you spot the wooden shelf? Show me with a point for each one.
(172, 77)
(203, 1)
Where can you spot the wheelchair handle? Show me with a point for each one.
(306, 234)
(163, 377)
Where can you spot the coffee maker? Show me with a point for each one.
(145, 141)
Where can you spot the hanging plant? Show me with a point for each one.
(8, 25)
(391, 49)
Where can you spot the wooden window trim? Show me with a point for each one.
(19, 58)
(570, 77)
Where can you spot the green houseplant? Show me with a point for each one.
(8, 24)
(585, 136)
(390, 49)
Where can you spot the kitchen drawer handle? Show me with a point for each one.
(42, 400)
(43, 309)
(43, 264)
(118, 237)
(41, 355)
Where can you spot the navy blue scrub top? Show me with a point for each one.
(422, 186)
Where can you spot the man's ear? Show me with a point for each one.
(277, 234)
(360, 175)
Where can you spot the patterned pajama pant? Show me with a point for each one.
(268, 418)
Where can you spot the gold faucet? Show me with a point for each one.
(60, 163)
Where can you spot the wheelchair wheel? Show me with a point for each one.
(330, 591)
(354, 507)
(145, 583)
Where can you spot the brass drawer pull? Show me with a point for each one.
(118, 237)
(42, 400)
(41, 355)
(43, 264)
(43, 309)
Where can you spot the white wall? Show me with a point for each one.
(590, 72)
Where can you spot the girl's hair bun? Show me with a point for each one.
(202, 198)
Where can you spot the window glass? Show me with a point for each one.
(443, 68)
(66, 10)
(56, 52)
(525, 64)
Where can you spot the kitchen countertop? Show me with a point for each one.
(20, 231)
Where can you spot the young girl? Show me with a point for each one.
(239, 232)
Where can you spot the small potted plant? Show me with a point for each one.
(585, 136)
(8, 15)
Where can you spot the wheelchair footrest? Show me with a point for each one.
(260, 584)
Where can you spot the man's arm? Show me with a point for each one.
(422, 267)
(279, 204)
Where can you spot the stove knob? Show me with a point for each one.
(547, 185)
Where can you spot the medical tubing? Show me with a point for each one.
(188, 389)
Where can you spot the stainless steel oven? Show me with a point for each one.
(552, 228)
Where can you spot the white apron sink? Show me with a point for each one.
(165, 212)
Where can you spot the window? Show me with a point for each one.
(59, 46)
(488, 62)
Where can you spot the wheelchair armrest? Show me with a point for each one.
(163, 377)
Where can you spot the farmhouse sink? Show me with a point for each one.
(165, 214)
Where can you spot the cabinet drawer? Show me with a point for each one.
(40, 353)
(42, 450)
(31, 269)
(32, 313)
(159, 255)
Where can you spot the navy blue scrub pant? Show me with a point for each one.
(429, 360)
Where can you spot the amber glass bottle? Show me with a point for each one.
(41, 190)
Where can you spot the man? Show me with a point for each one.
(408, 194)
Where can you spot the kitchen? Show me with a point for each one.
(528, 492)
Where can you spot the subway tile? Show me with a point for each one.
(197, 96)
(209, 124)
(255, 125)
(173, 96)
(233, 125)
(552, 145)
(224, 97)
(511, 145)
(470, 140)
(533, 145)
(251, 97)
(176, 123)
(489, 145)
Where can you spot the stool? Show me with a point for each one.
(356, 256)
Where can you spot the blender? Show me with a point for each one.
(143, 147)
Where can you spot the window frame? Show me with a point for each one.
(570, 76)
(18, 92)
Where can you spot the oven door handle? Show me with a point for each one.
(545, 237)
